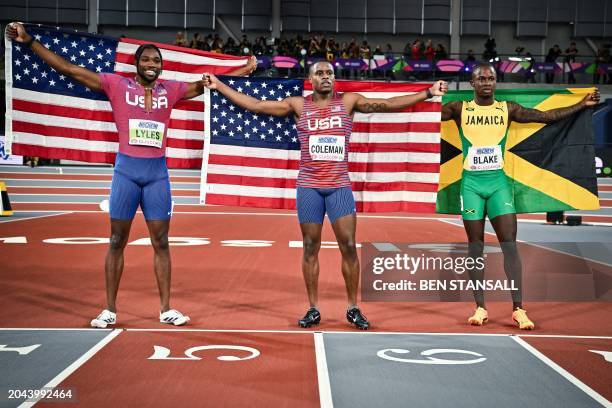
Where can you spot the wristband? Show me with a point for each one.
(30, 42)
(428, 93)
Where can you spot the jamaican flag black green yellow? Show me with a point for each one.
(552, 167)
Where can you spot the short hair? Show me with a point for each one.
(311, 68)
(144, 47)
(480, 66)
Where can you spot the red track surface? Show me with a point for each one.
(222, 287)
(574, 356)
(120, 375)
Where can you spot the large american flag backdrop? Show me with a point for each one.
(253, 160)
(50, 115)
(248, 160)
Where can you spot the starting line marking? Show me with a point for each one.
(560, 336)
(582, 386)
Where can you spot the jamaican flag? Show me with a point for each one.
(551, 167)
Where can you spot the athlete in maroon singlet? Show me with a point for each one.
(324, 125)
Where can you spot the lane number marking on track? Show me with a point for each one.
(21, 350)
(607, 355)
(384, 354)
(163, 353)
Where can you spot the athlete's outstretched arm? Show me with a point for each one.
(451, 110)
(521, 114)
(287, 106)
(17, 32)
(197, 87)
(356, 102)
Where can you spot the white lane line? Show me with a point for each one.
(298, 331)
(325, 395)
(582, 386)
(586, 223)
(51, 329)
(74, 366)
(3, 221)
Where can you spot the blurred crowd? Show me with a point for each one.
(322, 46)
(311, 46)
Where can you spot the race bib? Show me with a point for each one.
(484, 158)
(328, 148)
(146, 133)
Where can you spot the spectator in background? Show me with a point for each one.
(344, 51)
(530, 70)
(197, 41)
(314, 49)
(331, 51)
(244, 43)
(429, 50)
(603, 57)
(440, 53)
(365, 51)
(207, 43)
(416, 50)
(389, 52)
(490, 52)
(551, 57)
(230, 47)
(283, 47)
(217, 45)
(570, 57)
(259, 48)
(180, 39)
(470, 56)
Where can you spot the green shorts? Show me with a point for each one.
(486, 193)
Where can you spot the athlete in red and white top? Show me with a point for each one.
(141, 107)
(324, 122)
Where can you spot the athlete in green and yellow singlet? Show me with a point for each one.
(485, 190)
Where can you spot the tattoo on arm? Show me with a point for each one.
(525, 115)
(368, 107)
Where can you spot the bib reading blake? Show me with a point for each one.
(146, 133)
(485, 158)
(327, 147)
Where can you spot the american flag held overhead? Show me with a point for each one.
(253, 159)
(250, 160)
(50, 115)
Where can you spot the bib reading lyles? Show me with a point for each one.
(483, 158)
(328, 148)
(146, 133)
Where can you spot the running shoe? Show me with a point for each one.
(355, 317)
(519, 316)
(104, 319)
(174, 317)
(479, 317)
(311, 318)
